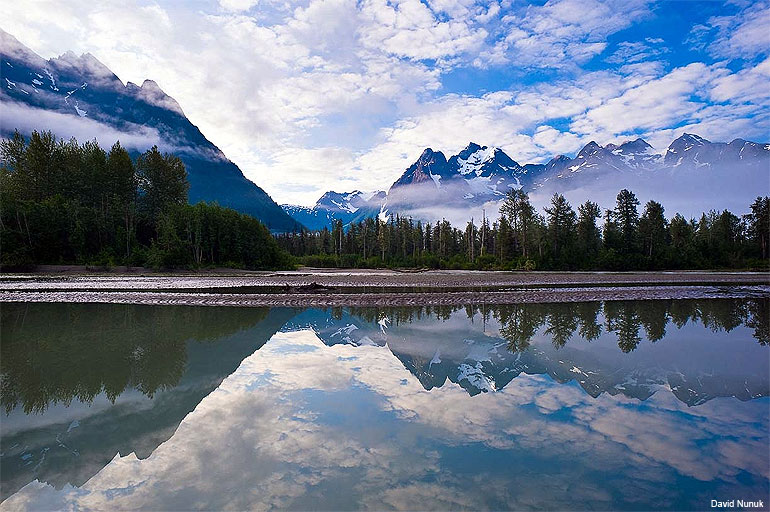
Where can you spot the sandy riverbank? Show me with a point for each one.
(323, 287)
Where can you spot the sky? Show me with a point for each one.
(320, 95)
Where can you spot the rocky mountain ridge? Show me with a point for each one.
(79, 96)
(480, 175)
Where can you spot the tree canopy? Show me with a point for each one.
(561, 239)
(62, 202)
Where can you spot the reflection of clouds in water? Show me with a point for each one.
(322, 427)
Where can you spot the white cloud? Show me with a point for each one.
(656, 103)
(749, 85)
(335, 94)
(630, 52)
(237, 5)
(562, 33)
(408, 28)
(17, 116)
(743, 36)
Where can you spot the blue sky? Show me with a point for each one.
(343, 94)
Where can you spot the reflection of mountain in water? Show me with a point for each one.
(83, 382)
(485, 349)
(100, 379)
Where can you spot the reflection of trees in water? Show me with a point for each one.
(397, 315)
(759, 320)
(53, 353)
(623, 320)
(626, 319)
(519, 325)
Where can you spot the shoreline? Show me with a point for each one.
(299, 300)
(380, 288)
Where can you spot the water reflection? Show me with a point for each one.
(520, 322)
(613, 347)
(83, 382)
(416, 408)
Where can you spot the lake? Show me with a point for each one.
(617, 405)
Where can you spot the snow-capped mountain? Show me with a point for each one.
(593, 160)
(332, 206)
(474, 176)
(79, 96)
(480, 176)
(693, 152)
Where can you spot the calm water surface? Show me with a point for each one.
(616, 405)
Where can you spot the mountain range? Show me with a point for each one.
(347, 207)
(483, 175)
(78, 95)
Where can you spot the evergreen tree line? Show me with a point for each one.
(62, 202)
(628, 320)
(561, 239)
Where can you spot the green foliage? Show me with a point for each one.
(62, 203)
(521, 239)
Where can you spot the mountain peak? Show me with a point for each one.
(635, 146)
(471, 148)
(86, 65)
(11, 46)
(151, 84)
(589, 149)
(151, 93)
(692, 139)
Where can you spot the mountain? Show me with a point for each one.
(347, 207)
(79, 96)
(472, 353)
(474, 176)
(692, 152)
(593, 161)
(690, 170)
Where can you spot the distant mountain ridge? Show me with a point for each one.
(82, 88)
(478, 175)
(331, 206)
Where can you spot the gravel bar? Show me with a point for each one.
(536, 295)
(438, 279)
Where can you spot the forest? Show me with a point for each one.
(62, 202)
(560, 239)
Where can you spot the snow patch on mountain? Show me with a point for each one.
(475, 160)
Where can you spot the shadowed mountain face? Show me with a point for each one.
(612, 347)
(110, 379)
(79, 96)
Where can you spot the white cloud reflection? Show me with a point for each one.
(301, 425)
